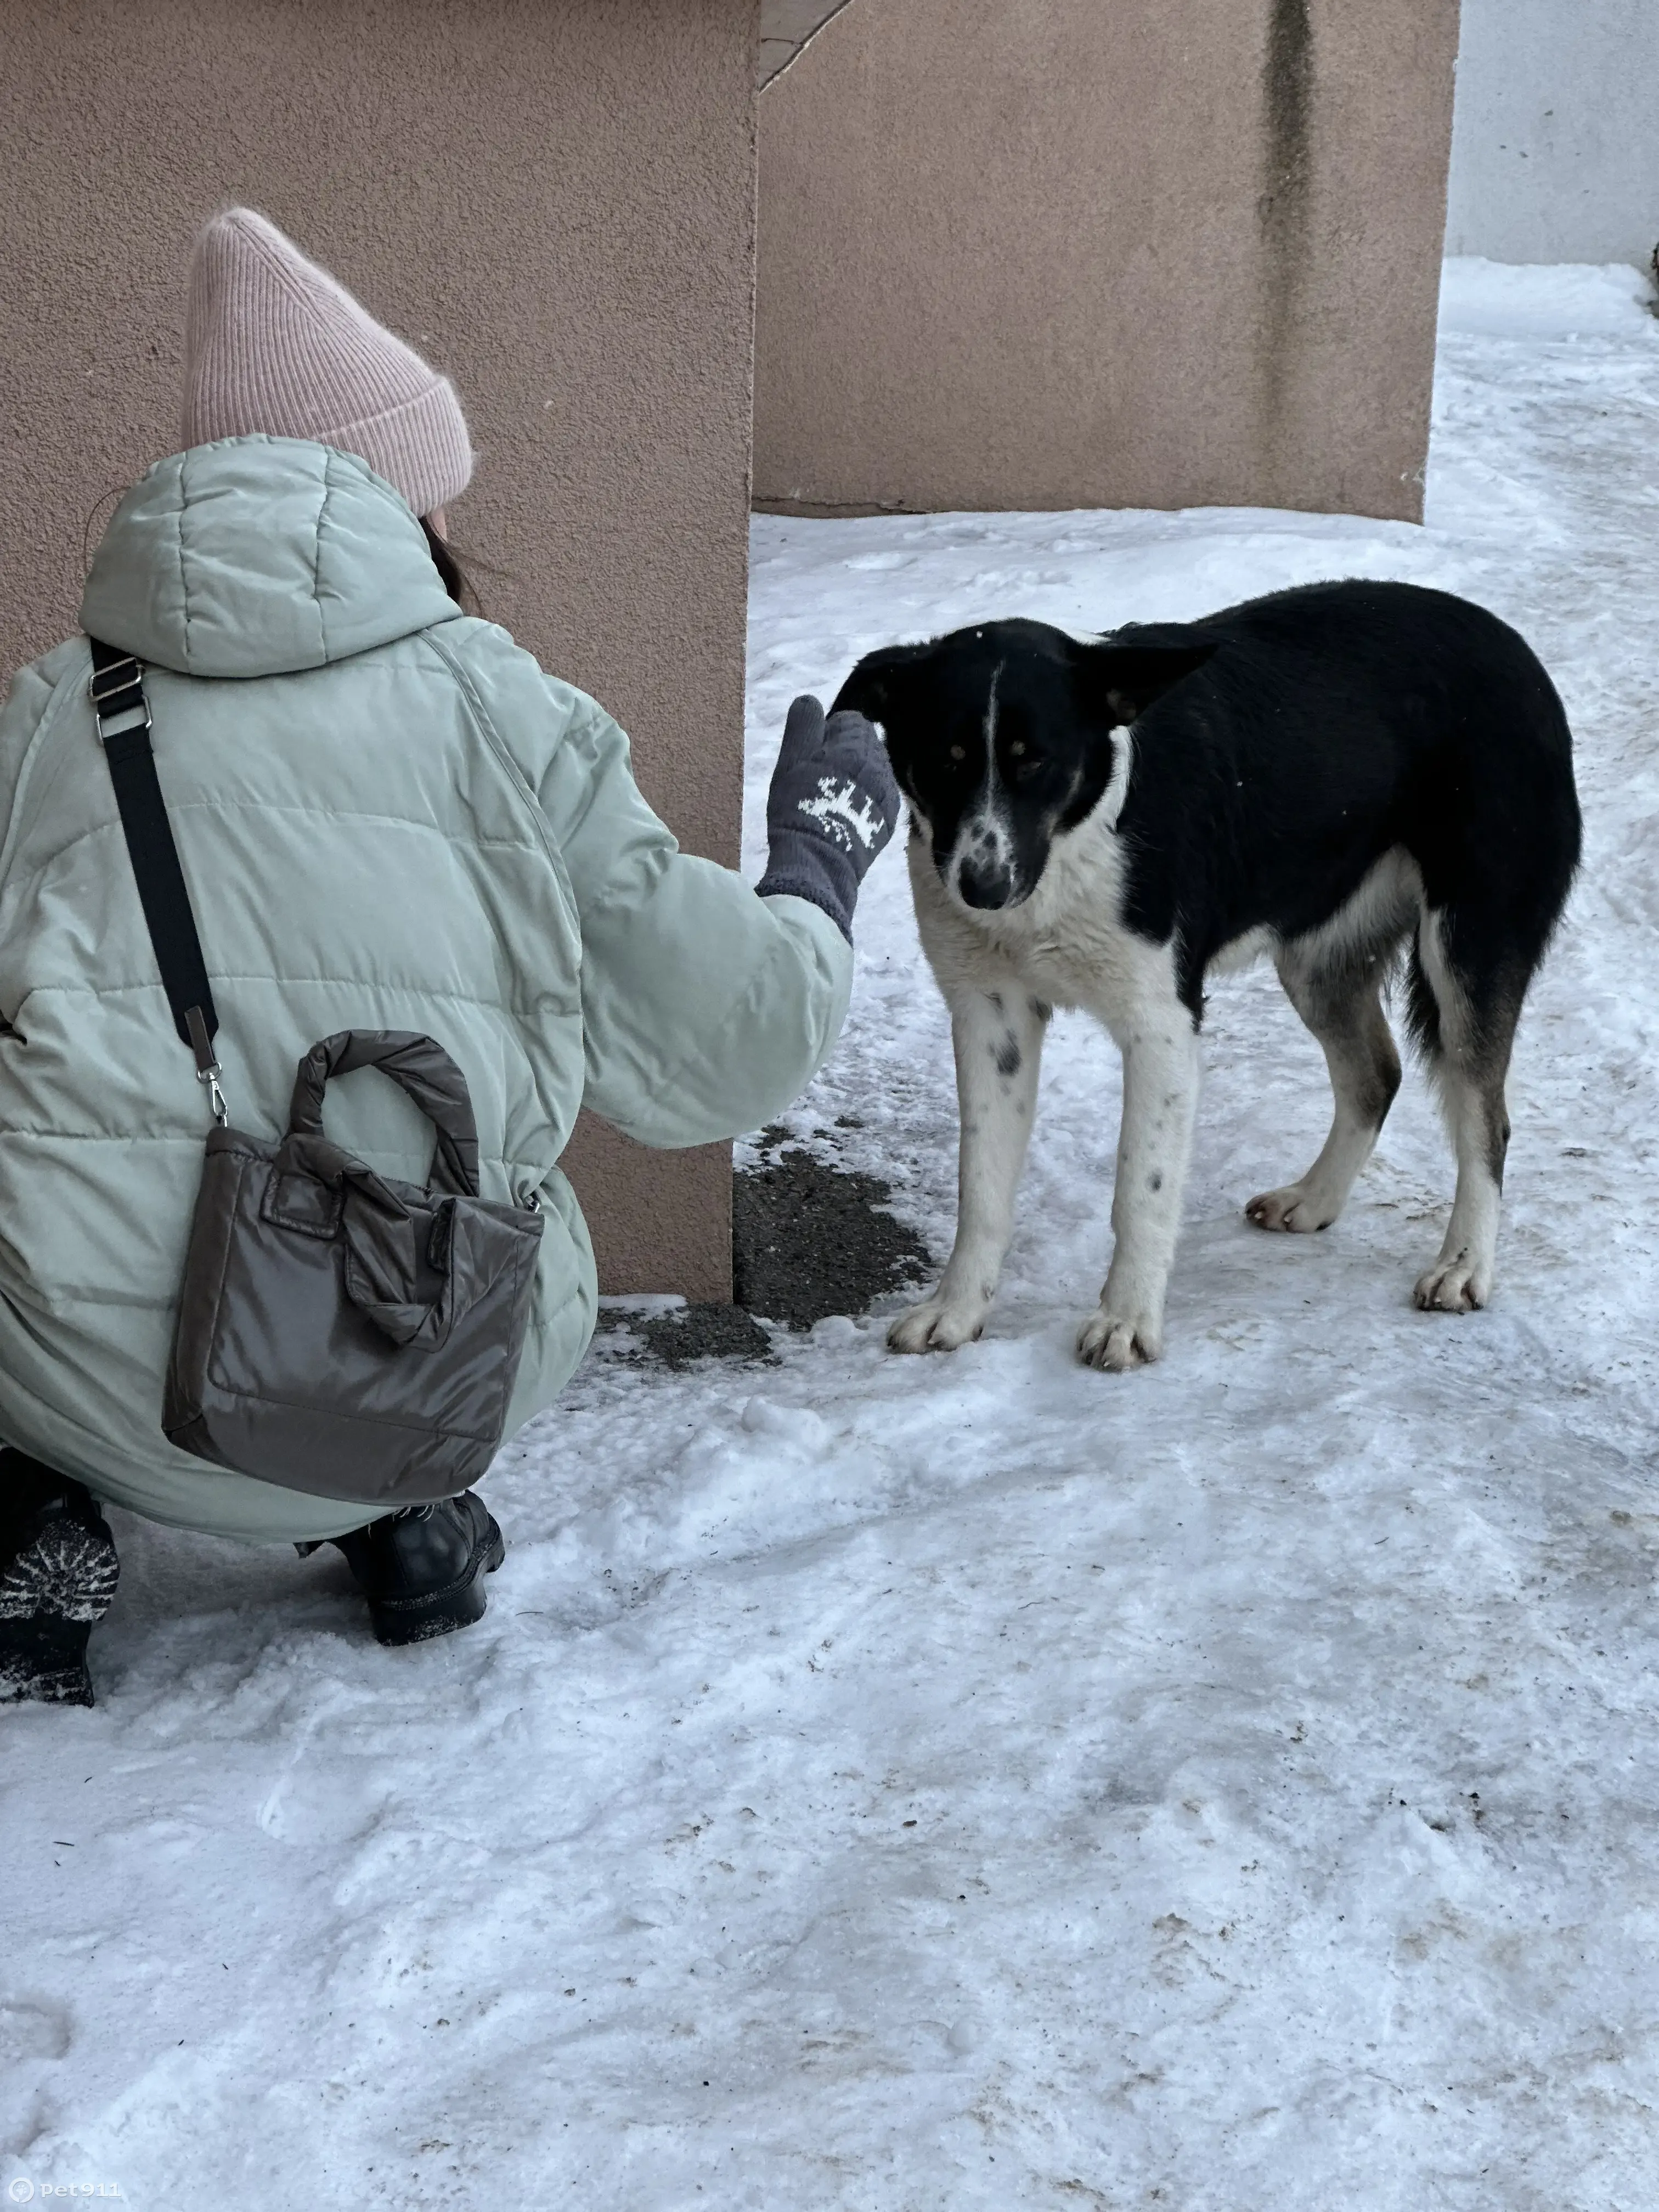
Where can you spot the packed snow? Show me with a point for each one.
(899, 1783)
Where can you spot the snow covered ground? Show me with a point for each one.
(897, 1784)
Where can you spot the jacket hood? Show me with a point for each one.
(258, 556)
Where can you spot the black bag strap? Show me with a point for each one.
(124, 726)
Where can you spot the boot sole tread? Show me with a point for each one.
(52, 1596)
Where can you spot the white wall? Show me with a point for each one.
(1555, 136)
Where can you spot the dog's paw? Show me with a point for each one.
(1298, 1207)
(1116, 1344)
(1460, 1284)
(938, 1324)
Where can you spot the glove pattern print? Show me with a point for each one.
(843, 811)
(830, 811)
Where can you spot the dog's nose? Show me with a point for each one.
(984, 884)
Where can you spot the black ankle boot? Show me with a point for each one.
(58, 1574)
(422, 1570)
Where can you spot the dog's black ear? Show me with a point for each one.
(1122, 681)
(878, 682)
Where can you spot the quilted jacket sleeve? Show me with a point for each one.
(23, 705)
(705, 1008)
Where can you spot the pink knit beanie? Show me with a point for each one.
(272, 342)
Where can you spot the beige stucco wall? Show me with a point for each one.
(555, 202)
(786, 28)
(1056, 254)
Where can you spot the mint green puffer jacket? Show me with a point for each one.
(389, 818)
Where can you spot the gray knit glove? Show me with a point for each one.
(831, 808)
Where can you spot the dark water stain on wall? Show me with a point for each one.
(1283, 207)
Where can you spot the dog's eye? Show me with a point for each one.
(956, 753)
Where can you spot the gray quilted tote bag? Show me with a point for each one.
(341, 1333)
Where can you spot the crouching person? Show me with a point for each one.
(398, 836)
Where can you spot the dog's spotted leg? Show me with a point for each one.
(1160, 1098)
(998, 1039)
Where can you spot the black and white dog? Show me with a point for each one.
(1330, 776)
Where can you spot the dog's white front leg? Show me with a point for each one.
(1160, 1098)
(997, 1038)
